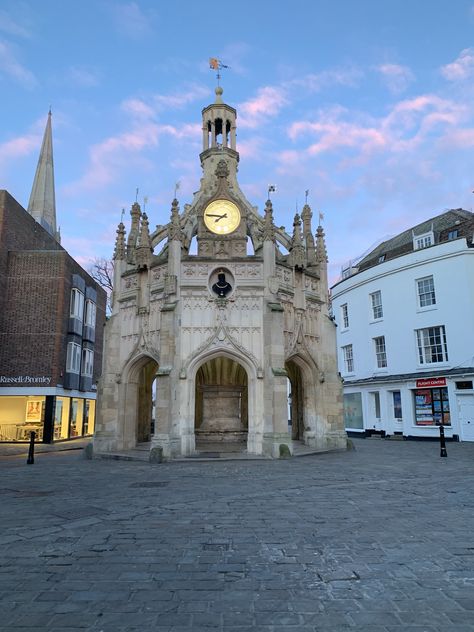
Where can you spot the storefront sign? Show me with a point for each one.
(431, 382)
(25, 380)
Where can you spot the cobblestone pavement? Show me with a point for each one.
(379, 539)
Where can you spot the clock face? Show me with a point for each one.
(222, 217)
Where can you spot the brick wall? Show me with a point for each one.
(35, 286)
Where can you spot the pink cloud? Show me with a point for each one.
(19, 147)
(182, 98)
(268, 102)
(397, 78)
(138, 108)
(461, 68)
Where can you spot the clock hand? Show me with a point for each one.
(212, 215)
(220, 217)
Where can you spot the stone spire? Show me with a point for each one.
(321, 252)
(297, 252)
(42, 204)
(268, 225)
(144, 250)
(119, 252)
(308, 238)
(135, 214)
(174, 227)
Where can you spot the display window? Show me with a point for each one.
(353, 418)
(21, 415)
(432, 407)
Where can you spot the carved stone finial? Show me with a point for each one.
(174, 227)
(144, 249)
(268, 225)
(297, 251)
(119, 252)
(321, 252)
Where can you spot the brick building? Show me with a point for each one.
(51, 321)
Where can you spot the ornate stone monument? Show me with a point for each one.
(206, 341)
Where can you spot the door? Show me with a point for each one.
(466, 417)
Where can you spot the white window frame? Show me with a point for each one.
(76, 309)
(87, 368)
(348, 355)
(376, 303)
(90, 313)
(426, 292)
(73, 358)
(423, 241)
(431, 343)
(380, 352)
(345, 316)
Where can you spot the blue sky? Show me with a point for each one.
(367, 104)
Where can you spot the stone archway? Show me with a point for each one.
(138, 404)
(296, 400)
(221, 402)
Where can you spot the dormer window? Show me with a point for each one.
(423, 241)
(453, 234)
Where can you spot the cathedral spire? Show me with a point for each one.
(42, 204)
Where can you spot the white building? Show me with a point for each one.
(405, 334)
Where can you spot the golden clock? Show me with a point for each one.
(222, 217)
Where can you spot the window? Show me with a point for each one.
(77, 304)
(376, 298)
(90, 313)
(422, 241)
(380, 352)
(397, 405)
(348, 358)
(432, 407)
(345, 316)
(432, 345)
(453, 234)
(73, 360)
(381, 258)
(87, 362)
(426, 292)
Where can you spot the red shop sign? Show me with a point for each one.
(430, 382)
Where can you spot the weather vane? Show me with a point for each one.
(271, 189)
(136, 194)
(216, 64)
(145, 202)
(176, 188)
(122, 216)
(306, 193)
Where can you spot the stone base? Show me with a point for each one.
(226, 436)
(272, 442)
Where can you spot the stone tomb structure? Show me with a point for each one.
(220, 330)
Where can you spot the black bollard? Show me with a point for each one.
(31, 452)
(442, 442)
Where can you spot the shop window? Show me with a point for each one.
(73, 359)
(76, 417)
(426, 292)
(432, 345)
(87, 362)
(77, 304)
(353, 418)
(61, 418)
(397, 405)
(380, 352)
(432, 407)
(348, 359)
(345, 316)
(91, 310)
(376, 300)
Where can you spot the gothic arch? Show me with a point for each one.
(136, 397)
(301, 374)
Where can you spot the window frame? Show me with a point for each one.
(73, 358)
(348, 356)
(426, 345)
(76, 306)
(380, 353)
(87, 367)
(90, 313)
(421, 293)
(345, 316)
(377, 308)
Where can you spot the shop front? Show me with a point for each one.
(51, 417)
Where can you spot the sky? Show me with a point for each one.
(368, 105)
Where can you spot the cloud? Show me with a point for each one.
(11, 67)
(131, 21)
(182, 98)
(268, 103)
(397, 78)
(460, 69)
(19, 147)
(315, 82)
(11, 27)
(138, 108)
(85, 77)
